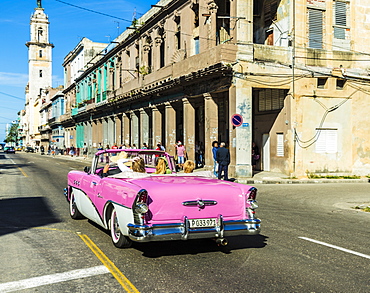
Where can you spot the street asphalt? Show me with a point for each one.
(312, 240)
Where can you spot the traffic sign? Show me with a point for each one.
(237, 120)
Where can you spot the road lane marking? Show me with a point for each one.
(336, 247)
(24, 173)
(110, 266)
(121, 278)
(20, 169)
(52, 279)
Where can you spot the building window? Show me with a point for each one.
(340, 20)
(280, 145)
(40, 53)
(196, 14)
(178, 40)
(39, 34)
(196, 45)
(321, 82)
(315, 28)
(177, 20)
(271, 99)
(327, 141)
(162, 54)
(340, 83)
(40, 73)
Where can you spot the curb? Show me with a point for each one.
(308, 181)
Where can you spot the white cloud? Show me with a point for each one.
(13, 79)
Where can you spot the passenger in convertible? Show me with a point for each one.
(189, 166)
(137, 164)
(162, 167)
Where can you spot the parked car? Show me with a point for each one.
(9, 150)
(29, 149)
(150, 207)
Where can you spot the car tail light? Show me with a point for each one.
(141, 202)
(252, 194)
(142, 196)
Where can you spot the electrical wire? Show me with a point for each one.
(314, 139)
(5, 94)
(94, 11)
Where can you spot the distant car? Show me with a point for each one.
(18, 148)
(9, 150)
(29, 150)
(143, 207)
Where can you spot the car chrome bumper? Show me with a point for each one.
(182, 231)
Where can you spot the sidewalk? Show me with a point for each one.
(261, 177)
(265, 177)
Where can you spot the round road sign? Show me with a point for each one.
(237, 120)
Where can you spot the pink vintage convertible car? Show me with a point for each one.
(149, 207)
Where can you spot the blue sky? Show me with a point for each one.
(68, 25)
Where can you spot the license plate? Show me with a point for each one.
(202, 223)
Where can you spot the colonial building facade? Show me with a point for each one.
(296, 71)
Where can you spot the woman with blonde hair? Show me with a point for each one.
(189, 166)
(162, 167)
(138, 165)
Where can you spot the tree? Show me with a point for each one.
(12, 135)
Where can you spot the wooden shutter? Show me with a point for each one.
(280, 145)
(340, 20)
(315, 18)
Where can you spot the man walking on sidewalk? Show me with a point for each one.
(223, 160)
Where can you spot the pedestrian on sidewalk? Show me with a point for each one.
(114, 147)
(100, 148)
(181, 153)
(255, 155)
(72, 151)
(223, 160)
(84, 150)
(214, 152)
(107, 154)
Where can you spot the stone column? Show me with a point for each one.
(232, 131)
(126, 128)
(99, 131)
(157, 126)
(244, 27)
(110, 78)
(211, 128)
(135, 131)
(212, 8)
(144, 127)
(243, 144)
(170, 129)
(118, 138)
(157, 53)
(189, 128)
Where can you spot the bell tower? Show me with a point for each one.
(39, 69)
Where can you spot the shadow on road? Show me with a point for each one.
(167, 248)
(10, 167)
(17, 214)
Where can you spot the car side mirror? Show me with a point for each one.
(87, 169)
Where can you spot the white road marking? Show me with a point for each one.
(12, 161)
(52, 279)
(336, 247)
